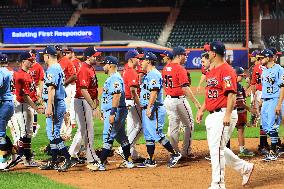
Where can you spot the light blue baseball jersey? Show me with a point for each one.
(272, 79)
(54, 76)
(6, 84)
(152, 81)
(113, 85)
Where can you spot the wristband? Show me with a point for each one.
(113, 110)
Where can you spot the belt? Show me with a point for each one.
(218, 110)
(175, 96)
(56, 100)
(129, 98)
(145, 107)
(118, 107)
(266, 99)
(6, 100)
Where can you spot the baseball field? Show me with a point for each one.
(191, 174)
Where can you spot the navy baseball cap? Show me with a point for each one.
(91, 51)
(50, 50)
(131, 54)
(179, 51)
(150, 56)
(58, 47)
(267, 53)
(218, 47)
(110, 60)
(3, 58)
(27, 56)
(168, 54)
(33, 51)
(240, 71)
(254, 53)
(274, 50)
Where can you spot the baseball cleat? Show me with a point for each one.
(246, 153)
(119, 151)
(270, 157)
(147, 163)
(4, 166)
(93, 166)
(280, 151)
(49, 166)
(174, 159)
(139, 160)
(67, 165)
(15, 161)
(262, 150)
(30, 163)
(102, 167)
(127, 164)
(248, 173)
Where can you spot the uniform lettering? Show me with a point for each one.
(168, 80)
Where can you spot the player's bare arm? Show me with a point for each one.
(152, 99)
(29, 101)
(230, 107)
(188, 93)
(50, 101)
(279, 104)
(200, 113)
(115, 103)
(40, 88)
(70, 80)
(202, 79)
(135, 97)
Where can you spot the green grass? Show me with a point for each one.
(12, 180)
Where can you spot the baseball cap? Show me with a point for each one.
(50, 50)
(58, 47)
(168, 54)
(26, 56)
(3, 58)
(68, 49)
(91, 51)
(267, 53)
(33, 51)
(240, 71)
(179, 51)
(150, 56)
(254, 53)
(110, 60)
(131, 54)
(218, 47)
(274, 51)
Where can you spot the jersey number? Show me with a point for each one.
(168, 81)
(146, 96)
(270, 90)
(12, 86)
(212, 94)
(104, 100)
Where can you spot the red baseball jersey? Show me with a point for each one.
(24, 84)
(174, 78)
(220, 81)
(130, 79)
(37, 72)
(256, 76)
(86, 77)
(77, 63)
(67, 67)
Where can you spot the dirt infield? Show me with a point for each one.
(191, 174)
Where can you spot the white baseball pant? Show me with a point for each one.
(24, 114)
(179, 114)
(66, 129)
(218, 135)
(257, 103)
(85, 130)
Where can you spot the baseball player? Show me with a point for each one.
(70, 87)
(204, 57)
(134, 119)
(219, 101)
(176, 85)
(6, 110)
(272, 80)
(256, 88)
(37, 73)
(86, 103)
(114, 113)
(242, 109)
(26, 98)
(153, 112)
(54, 95)
(77, 63)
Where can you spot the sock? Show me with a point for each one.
(150, 145)
(242, 148)
(53, 150)
(274, 140)
(62, 148)
(105, 153)
(21, 147)
(228, 145)
(166, 143)
(126, 151)
(27, 148)
(262, 138)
